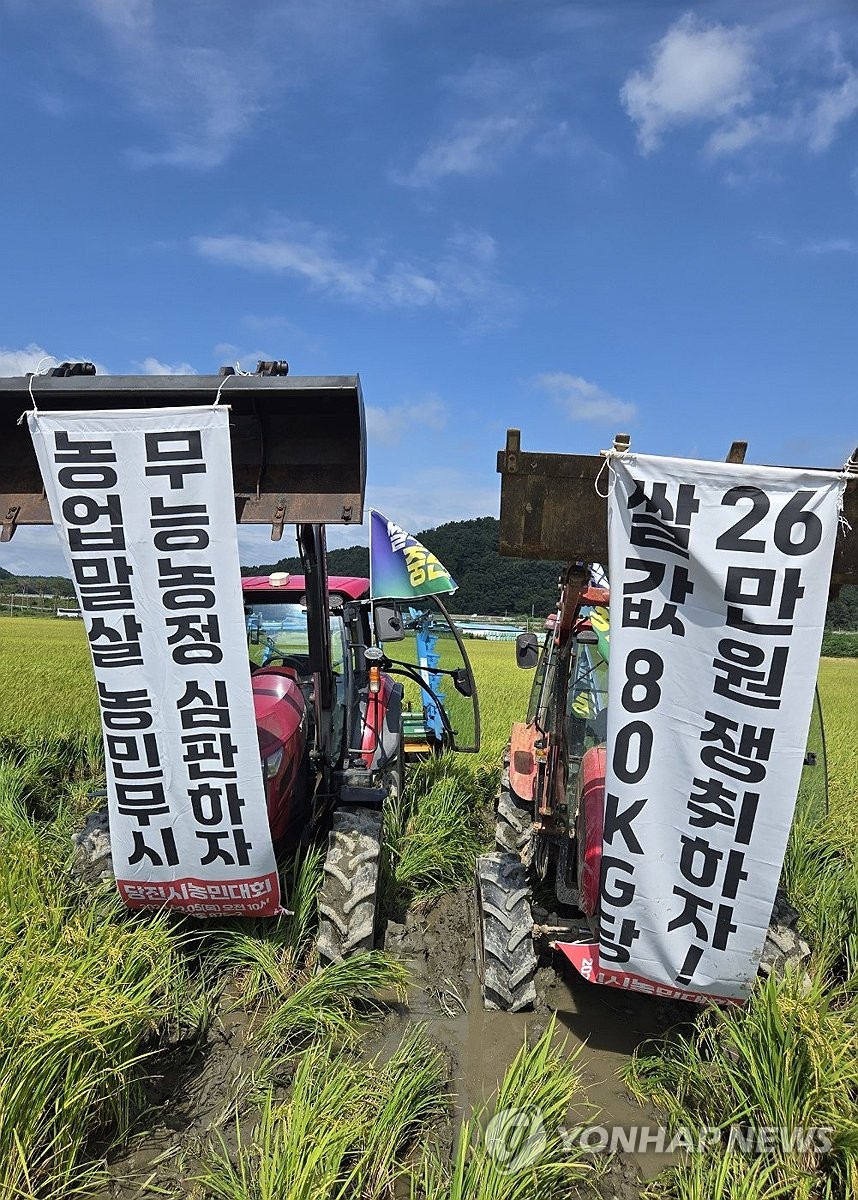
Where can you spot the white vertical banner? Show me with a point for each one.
(719, 582)
(143, 504)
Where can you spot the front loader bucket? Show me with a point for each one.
(298, 443)
(550, 509)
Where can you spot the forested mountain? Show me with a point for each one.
(488, 584)
(491, 585)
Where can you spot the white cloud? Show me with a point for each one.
(152, 366)
(754, 90)
(814, 117)
(832, 246)
(36, 358)
(697, 72)
(387, 426)
(20, 362)
(463, 274)
(582, 400)
(471, 148)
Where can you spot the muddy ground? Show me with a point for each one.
(436, 942)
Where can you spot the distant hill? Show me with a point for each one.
(488, 584)
(491, 585)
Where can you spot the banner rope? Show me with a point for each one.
(38, 371)
(850, 467)
(607, 465)
(238, 371)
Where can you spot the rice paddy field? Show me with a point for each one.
(145, 1056)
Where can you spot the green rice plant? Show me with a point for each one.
(327, 1005)
(726, 1177)
(435, 831)
(266, 954)
(513, 1148)
(788, 1060)
(345, 1131)
(84, 997)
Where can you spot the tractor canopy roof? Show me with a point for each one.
(291, 587)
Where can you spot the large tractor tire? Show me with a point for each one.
(513, 821)
(348, 900)
(506, 958)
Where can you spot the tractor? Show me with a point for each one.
(551, 805)
(329, 713)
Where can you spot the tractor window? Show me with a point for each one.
(542, 682)
(277, 635)
(439, 714)
(587, 702)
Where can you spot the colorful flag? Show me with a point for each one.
(399, 566)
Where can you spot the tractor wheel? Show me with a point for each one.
(513, 822)
(348, 900)
(506, 958)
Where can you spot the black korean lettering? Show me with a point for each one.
(175, 454)
(185, 586)
(86, 510)
(614, 888)
(692, 903)
(142, 800)
(113, 647)
(698, 861)
(141, 850)
(68, 451)
(791, 517)
(660, 526)
(204, 710)
(712, 804)
(194, 636)
(733, 874)
(124, 710)
(217, 852)
(176, 516)
(638, 614)
(760, 594)
(644, 668)
(127, 749)
(740, 755)
(181, 539)
(205, 751)
(715, 804)
(733, 538)
(103, 583)
(621, 822)
(740, 677)
(613, 945)
(637, 736)
(724, 927)
(91, 477)
(207, 803)
(653, 574)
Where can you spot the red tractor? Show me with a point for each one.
(329, 714)
(550, 809)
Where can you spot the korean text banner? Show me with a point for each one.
(399, 566)
(719, 581)
(143, 504)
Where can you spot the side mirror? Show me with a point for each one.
(388, 623)
(462, 682)
(526, 650)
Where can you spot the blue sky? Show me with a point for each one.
(573, 218)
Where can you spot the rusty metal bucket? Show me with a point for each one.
(298, 443)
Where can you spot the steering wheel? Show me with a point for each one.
(287, 661)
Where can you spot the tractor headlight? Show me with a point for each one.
(271, 766)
